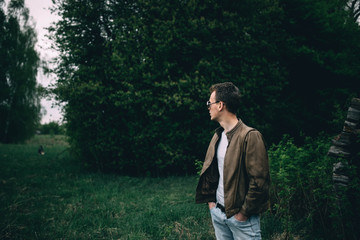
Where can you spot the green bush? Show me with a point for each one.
(134, 74)
(52, 128)
(136, 97)
(303, 199)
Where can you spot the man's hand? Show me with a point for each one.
(241, 217)
(211, 205)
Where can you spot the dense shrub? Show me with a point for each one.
(134, 74)
(303, 200)
(136, 87)
(52, 128)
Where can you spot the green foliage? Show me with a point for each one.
(51, 197)
(137, 105)
(134, 74)
(302, 194)
(321, 57)
(52, 128)
(19, 102)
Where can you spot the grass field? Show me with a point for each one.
(51, 197)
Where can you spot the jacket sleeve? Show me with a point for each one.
(257, 169)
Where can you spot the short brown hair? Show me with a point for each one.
(228, 93)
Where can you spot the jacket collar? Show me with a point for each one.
(230, 133)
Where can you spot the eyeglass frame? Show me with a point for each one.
(208, 103)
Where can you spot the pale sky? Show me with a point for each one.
(39, 11)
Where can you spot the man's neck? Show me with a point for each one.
(229, 122)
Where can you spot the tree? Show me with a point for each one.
(52, 128)
(135, 74)
(322, 57)
(19, 102)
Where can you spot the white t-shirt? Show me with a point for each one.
(221, 151)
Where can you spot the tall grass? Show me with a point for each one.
(50, 197)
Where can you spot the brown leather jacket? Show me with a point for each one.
(246, 173)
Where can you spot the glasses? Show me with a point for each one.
(208, 103)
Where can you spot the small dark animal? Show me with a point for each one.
(41, 150)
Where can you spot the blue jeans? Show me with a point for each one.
(231, 228)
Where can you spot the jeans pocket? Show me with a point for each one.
(245, 230)
(241, 223)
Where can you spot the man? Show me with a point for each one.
(235, 177)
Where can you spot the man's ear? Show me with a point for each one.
(221, 106)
